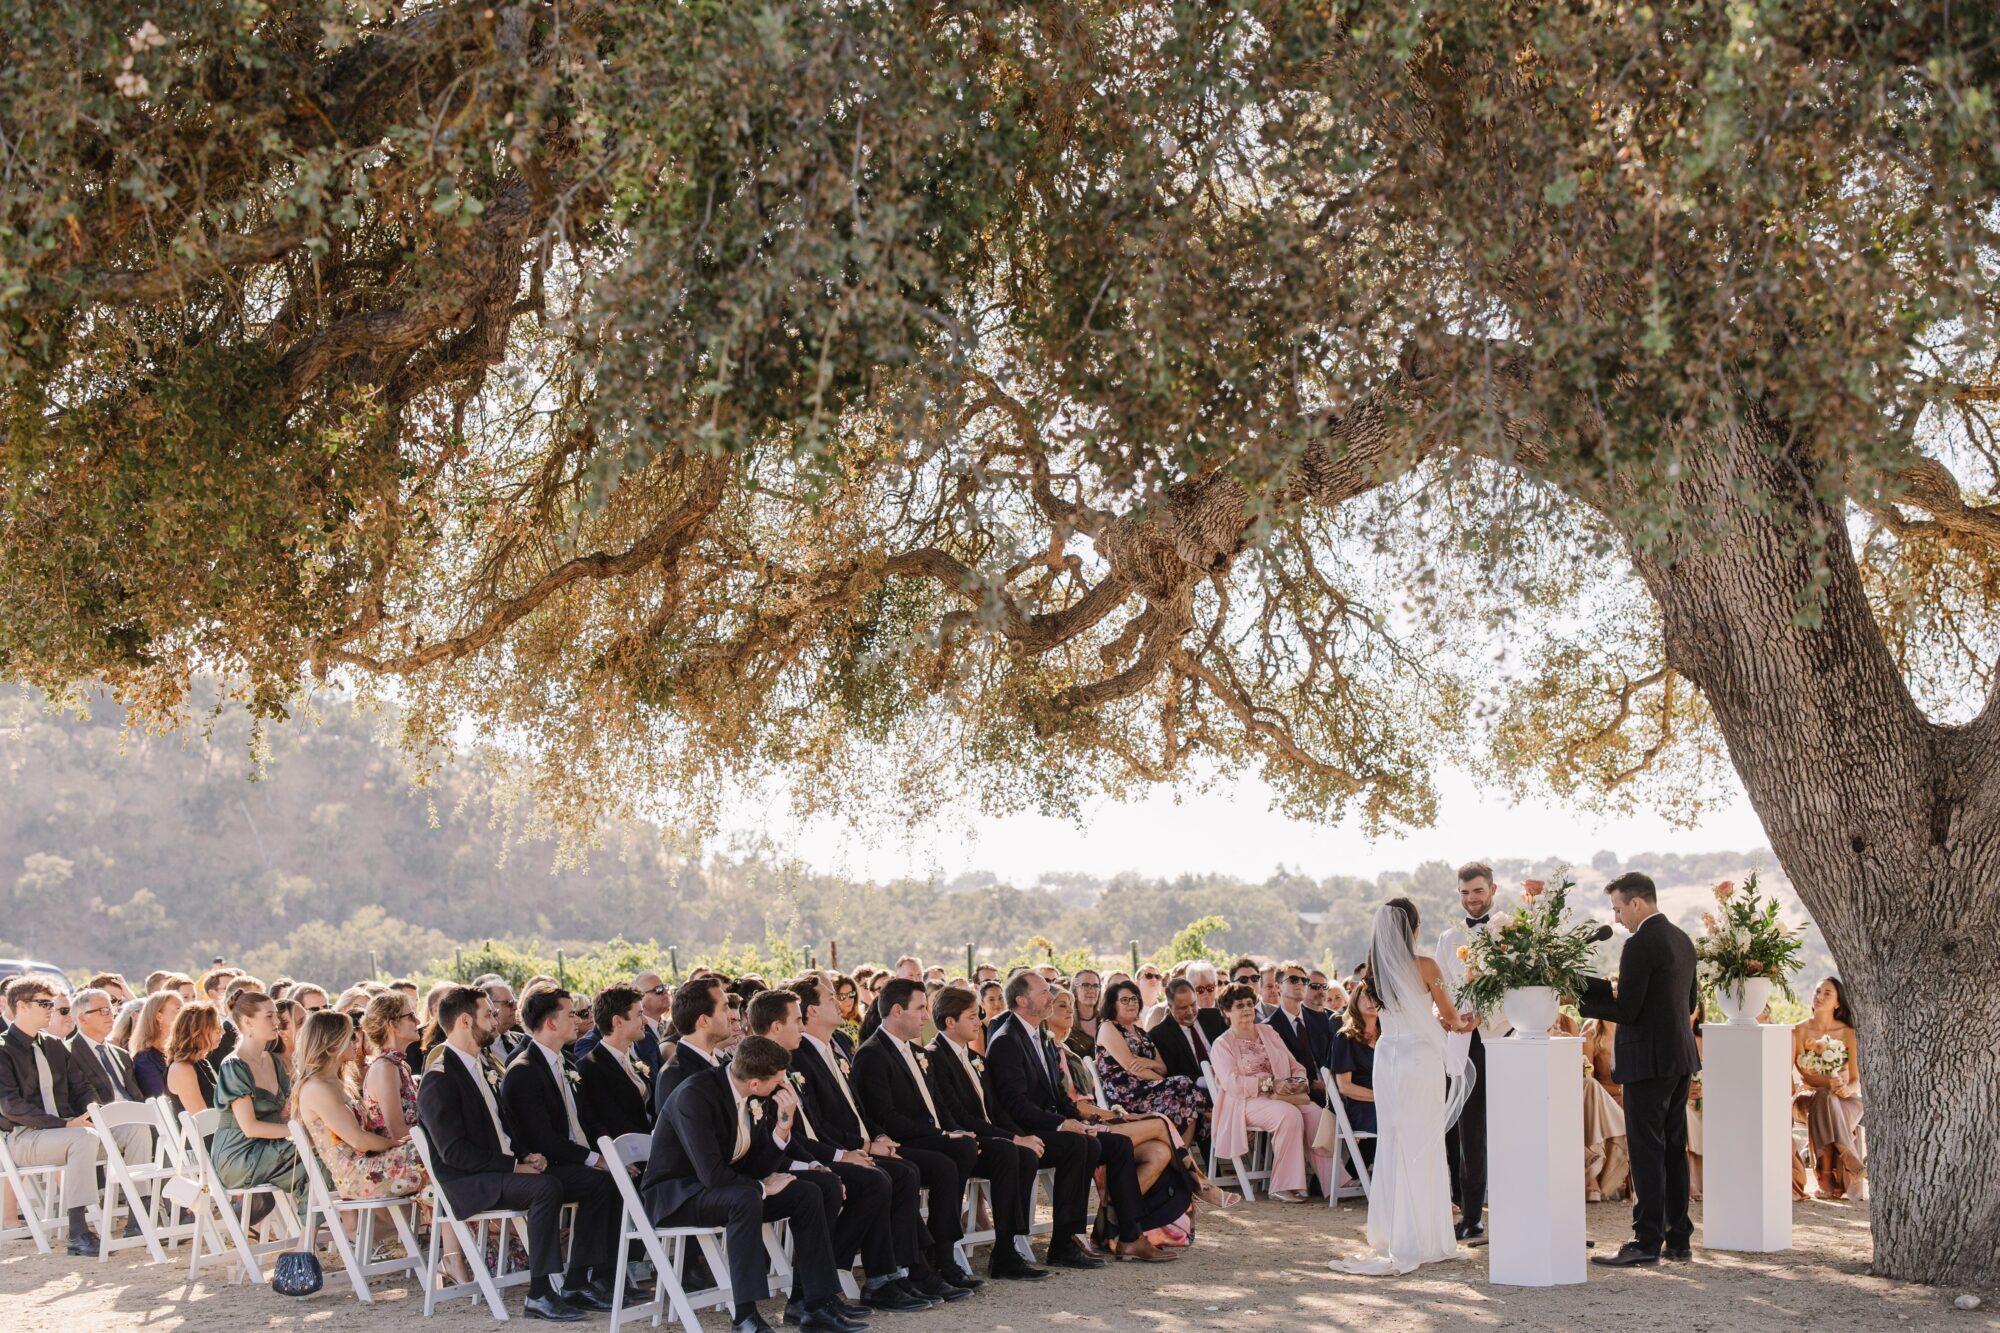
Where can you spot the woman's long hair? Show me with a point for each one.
(148, 1032)
(1843, 1013)
(197, 1032)
(325, 1050)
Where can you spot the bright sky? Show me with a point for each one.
(1234, 831)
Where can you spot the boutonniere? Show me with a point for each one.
(756, 1105)
(492, 1076)
(796, 1079)
(575, 1079)
(645, 1070)
(923, 1062)
(978, 1062)
(841, 1060)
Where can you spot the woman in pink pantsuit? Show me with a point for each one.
(1259, 1085)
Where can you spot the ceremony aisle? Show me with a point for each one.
(1255, 1269)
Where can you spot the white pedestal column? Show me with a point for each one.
(1534, 1162)
(1746, 1137)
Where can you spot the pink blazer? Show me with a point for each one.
(1235, 1086)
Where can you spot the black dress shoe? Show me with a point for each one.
(959, 1278)
(935, 1286)
(845, 1310)
(1468, 1230)
(820, 1319)
(1008, 1265)
(1629, 1255)
(1068, 1256)
(586, 1298)
(1678, 1253)
(894, 1297)
(553, 1308)
(751, 1323)
(84, 1245)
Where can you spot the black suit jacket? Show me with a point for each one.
(1657, 992)
(1309, 1043)
(889, 1095)
(102, 1089)
(958, 1101)
(609, 1102)
(1029, 1099)
(693, 1140)
(1177, 1053)
(535, 1118)
(1213, 1023)
(464, 1148)
(833, 1119)
(21, 1084)
(684, 1062)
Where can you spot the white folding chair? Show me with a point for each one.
(142, 1184)
(471, 1232)
(1350, 1168)
(1259, 1145)
(37, 1198)
(222, 1212)
(323, 1205)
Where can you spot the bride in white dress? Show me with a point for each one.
(1422, 1078)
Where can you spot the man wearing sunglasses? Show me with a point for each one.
(45, 1106)
(1307, 1035)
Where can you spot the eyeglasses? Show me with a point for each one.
(92, 1013)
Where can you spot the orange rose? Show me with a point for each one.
(1753, 967)
(1533, 887)
(1464, 952)
(1724, 890)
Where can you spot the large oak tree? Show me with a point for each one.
(911, 397)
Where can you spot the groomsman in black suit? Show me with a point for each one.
(828, 1094)
(719, 1154)
(1009, 1161)
(616, 1094)
(107, 1068)
(1026, 1095)
(892, 1079)
(1308, 1036)
(479, 1166)
(1654, 1057)
(864, 1203)
(1178, 1036)
(701, 1016)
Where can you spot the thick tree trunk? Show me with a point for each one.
(1886, 824)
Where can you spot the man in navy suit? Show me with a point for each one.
(1026, 1093)
(1654, 1057)
(719, 1154)
(478, 1165)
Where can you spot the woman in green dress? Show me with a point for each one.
(253, 1144)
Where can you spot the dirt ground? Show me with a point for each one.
(1257, 1267)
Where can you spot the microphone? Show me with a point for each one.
(1600, 934)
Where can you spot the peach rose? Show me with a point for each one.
(1464, 952)
(1708, 920)
(1724, 890)
(1753, 967)
(1533, 887)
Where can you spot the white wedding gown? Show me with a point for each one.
(1409, 1204)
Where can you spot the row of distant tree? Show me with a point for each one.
(137, 852)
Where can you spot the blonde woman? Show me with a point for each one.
(360, 1163)
(147, 1041)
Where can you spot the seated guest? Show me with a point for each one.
(891, 1076)
(732, 1001)
(1323, 997)
(389, 1093)
(290, 1016)
(1307, 1035)
(655, 1003)
(477, 1168)
(1353, 1066)
(538, 1095)
(107, 1069)
(718, 1159)
(992, 1004)
(847, 993)
(253, 1144)
(508, 1039)
(1131, 1071)
(1178, 1037)
(701, 1017)
(213, 986)
(360, 1162)
(1607, 1163)
(191, 1048)
(615, 1094)
(152, 1028)
(1207, 985)
(1152, 990)
(45, 1107)
(1026, 1096)
(1258, 1083)
(1086, 993)
(1007, 1160)
(863, 1202)
(112, 985)
(1267, 992)
(1078, 1074)
(311, 998)
(1832, 1102)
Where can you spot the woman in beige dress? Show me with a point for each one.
(1607, 1163)
(1832, 1102)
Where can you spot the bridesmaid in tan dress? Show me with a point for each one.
(1607, 1163)
(1832, 1104)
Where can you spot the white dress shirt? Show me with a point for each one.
(478, 1068)
(1492, 1026)
(917, 1073)
(832, 1059)
(965, 1060)
(561, 1071)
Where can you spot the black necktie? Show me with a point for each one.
(104, 1058)
(1473, 922)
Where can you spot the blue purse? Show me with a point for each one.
(297, 1274)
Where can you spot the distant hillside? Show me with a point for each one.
(165, 853)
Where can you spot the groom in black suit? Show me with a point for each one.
(1654, 1057)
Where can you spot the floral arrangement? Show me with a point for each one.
(1535, 945)
(1744, 940)
(1825, 1057)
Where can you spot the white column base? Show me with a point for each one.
(1534, 1162)
(1746, 1137)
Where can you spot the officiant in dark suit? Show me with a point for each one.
(1654, 1057)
